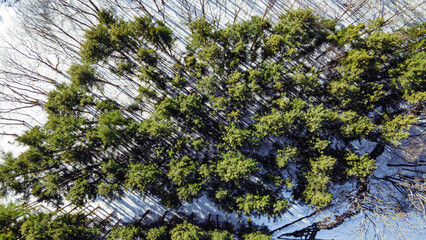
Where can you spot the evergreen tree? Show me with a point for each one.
(16, 222)
(245, 116)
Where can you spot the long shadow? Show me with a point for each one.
(132, 206)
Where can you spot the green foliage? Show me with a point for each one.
(159, 233)
(360, 166)
(82, 75)
(198, 144)
(79, 191)
(280, 206)
(130, 232)
(65, 227)
(239, 92)
(106, 17)
(181, 170)
(393, 130)
(98, 44)
(201, 30)
(11, 218)
(162, 34)
(189, 192)
(413, 79)
(179, 81)
(66, 99)
(124, 67)
(235, 137)
(171, 230)
(210, 53)
(349, 34)
(155, 126)
(111, 128)
(186, 231)
(221, 235)
(284, 155)
(142, 177)
(63, 129)
(384, 43)
(356, 126)
(316, 192)
(280, 123)
(106, 105)
(32, 137)
(148, 56)
(256, 236)
(112, 35)
(250, 203)
(234, 166)
(300, 30)
(315, 116)
(122, 36)
(141, 25)
(244, 117)
(274, 44)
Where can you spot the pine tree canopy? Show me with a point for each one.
(249, 113)
(17, 222)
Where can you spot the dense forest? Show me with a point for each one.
(255, 116)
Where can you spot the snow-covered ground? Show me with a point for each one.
(406, 225)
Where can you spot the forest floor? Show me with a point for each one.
(404, 225)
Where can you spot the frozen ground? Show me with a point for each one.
(404, 226)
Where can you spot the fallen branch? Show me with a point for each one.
(300, 219)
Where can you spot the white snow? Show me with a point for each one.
(175, 14)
